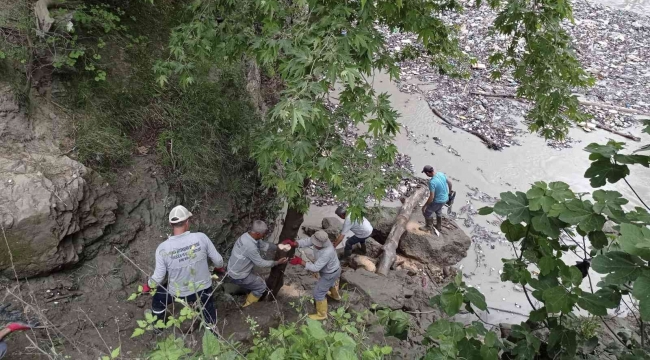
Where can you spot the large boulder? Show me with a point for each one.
(444, 250)
(51, 206)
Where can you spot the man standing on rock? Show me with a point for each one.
(327, 265)
(361, 230)
(439, 188)
(183, 257)
(246, 254)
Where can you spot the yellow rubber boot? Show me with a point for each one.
(250, 299)
(321, 311)
(334, 292)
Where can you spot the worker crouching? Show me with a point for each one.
(326, 264)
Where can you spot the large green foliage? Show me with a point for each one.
(315, 46)
(545, 223)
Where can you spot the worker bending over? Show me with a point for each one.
(362, 229)
(246, 254)
(183, 257)
(327, 265)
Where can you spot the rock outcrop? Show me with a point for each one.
(444, 250)
(447, 249)
(51, 206)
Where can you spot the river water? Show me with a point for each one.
(493, 172)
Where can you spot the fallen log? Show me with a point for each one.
(392, 241)
(490, 144)
(627, 136)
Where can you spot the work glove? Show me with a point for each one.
(290, 242)
(296, 261)
(146, 289)
(17, 326)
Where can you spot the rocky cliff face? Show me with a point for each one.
(51, 206)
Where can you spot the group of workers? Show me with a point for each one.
(184, 256)
(183, 259)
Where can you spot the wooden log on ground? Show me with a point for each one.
(392, 241)
(627, 136)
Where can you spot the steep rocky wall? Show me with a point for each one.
(51, 206)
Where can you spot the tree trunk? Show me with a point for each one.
(392, 241)
(275, 281)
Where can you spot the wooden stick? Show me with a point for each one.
(63, 297)
(392, 241)
(490, 144)
(607, 128)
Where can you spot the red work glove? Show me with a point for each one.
(290, 242)
(296, 261)
(146, 288)
(18, 326)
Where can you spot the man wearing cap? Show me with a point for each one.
(327, 265)
(183, 257)
(246, 254)
(361, 229)
(439, 188)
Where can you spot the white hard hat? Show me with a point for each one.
(179, 214)
(320, 238)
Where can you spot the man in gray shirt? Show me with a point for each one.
(245, 255)
(327, 265)
(183, 257)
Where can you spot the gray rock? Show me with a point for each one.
(444, 250)
(373, 248)
(51, 207)
(332, 223)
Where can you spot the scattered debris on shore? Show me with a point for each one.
(612, 45)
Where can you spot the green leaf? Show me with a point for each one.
(315, 329)
(538, 315)
(580, 213)
(619, 266)
(560, 191)
(635, 240)
(132, 297)
(547, 226)
(558, 299)
(571, 275)
(451, 303)
(514, 206)
(490, 339)
(489, 353)
(565, 338)
(608, 201)
(544, 203)
(279, 354)
(475, 298)
(513, 232)
(547, 264)
(641, 291)
(598, 239)
(486, 210)
(602, 171)
(137, 332)
(445, 329)
(115, 353)
(595, 304)
(211, 346)
(605, 151)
